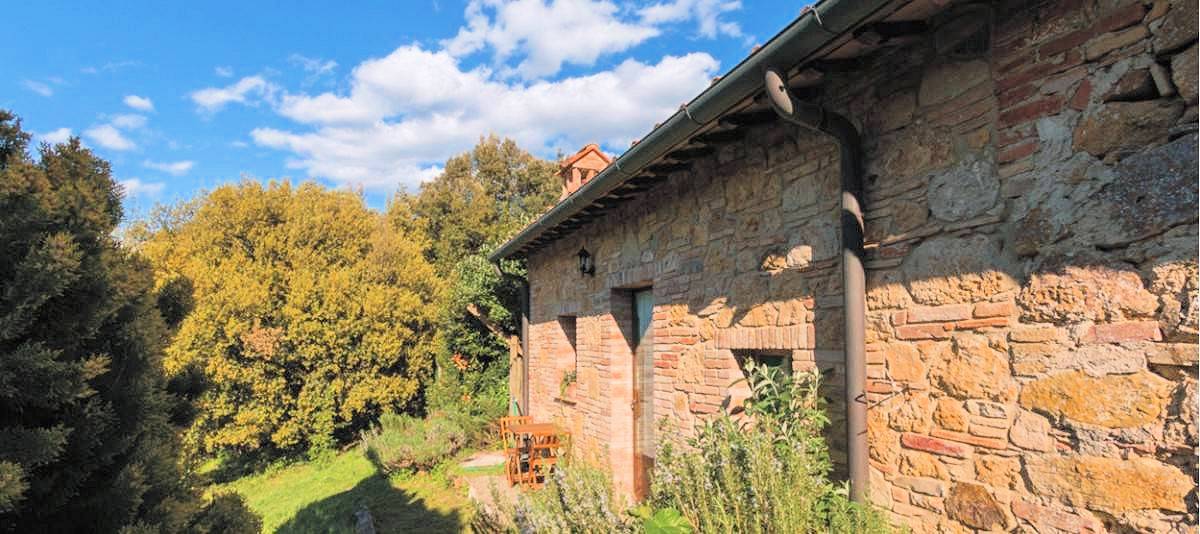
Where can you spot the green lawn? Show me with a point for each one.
(323, 496)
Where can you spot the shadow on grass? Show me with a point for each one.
(393, 509)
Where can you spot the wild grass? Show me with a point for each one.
(323, 495)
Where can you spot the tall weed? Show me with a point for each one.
(763, 468)
(577, 499)
(406, 443)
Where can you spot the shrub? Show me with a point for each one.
(476, 413)
(227, 513)
(766, 471)
(404, 443)
(576, 499)
(85, 439)
(298, 315)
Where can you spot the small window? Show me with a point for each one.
(777, 359)
(567, 322)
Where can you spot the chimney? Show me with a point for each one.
(581, 168)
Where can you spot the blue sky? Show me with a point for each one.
(364, 94)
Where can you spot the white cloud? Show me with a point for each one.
(54, 137)
(403, 114)
(108, 136)
(128, 121)
(38, 87)
(706, 13)
(249, 90)
(315, 67)
(174, 168)
(111, 66)
(134, 187)
(223, 71)
(139, 103)
(546, 35)
(410, 110)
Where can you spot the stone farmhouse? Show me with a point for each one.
(978, 220)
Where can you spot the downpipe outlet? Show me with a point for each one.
(817, 118)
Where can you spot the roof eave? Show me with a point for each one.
(810, 32)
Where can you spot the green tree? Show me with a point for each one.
(85, 439)
(481, 198)
(307, 317)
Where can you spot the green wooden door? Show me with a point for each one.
(643, 390)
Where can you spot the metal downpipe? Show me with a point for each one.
(854, 306)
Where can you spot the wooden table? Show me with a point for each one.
(540, 442)
(536, 429)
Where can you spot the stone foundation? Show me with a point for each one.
(1032, 278)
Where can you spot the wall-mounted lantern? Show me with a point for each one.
(586, 264)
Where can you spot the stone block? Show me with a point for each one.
(1036, 109)
(1183, 74)
(1151, 191)
(1136, 84)
(1060, 83)
(920, 464)
(934, 445)
(989, 322)
(927, 486)
(1131, 400)
(923, 331)
(970, 439)
(904, 362)
(950, 415)
(928, 502)
(1098, 47)
(938, 314)
(885, 289)
(1067, 42)
(910, 413)
(1132, 125)
(992, 410)
(1082, 97)
(944, 81)
(911, 152)
(995, 309)
(949, 270)
(1120, 18)
(896, 111)
(1178, 27)
(1013, 153)
(1124, 331)
(987, 431)
(978, 369)
(1085, 292)
(1034, 334)
(972, 505)
(1175, 354)
(1042, 517)
(1031, 431)
(1111, 485)
(1016, 95)
(966, 190)
(998, 471)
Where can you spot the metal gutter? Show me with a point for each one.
(807, 34)
(854, 287)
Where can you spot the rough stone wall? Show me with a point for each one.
(740, 255)
(1032, 277)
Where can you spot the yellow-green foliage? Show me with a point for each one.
(309, 313)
